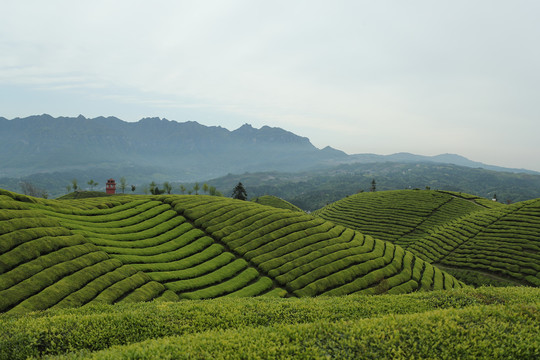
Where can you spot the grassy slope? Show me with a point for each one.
(462, 323)
(135, 248)
(276, 202)
(479, 240)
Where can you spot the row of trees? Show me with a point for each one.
(168, 188)
(122, 185)
(239, 192)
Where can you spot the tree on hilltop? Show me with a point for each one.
(152, 186)
(156, 191)
(373, 186)
(167, 187)
(123, 184)
(196, 188)
(31, 190)
(74, 184)
(205, 188)
(239, 192)
(92, 183)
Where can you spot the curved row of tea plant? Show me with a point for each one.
(503, 242)
(309, 256)
(153, 238)
(132, 248)
(401, 216)
(448, 324)
(276, 202)
(43, 264)
(457, 231)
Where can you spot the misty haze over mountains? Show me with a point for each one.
(185, 151)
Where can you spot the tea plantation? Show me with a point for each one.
(460, 232)
(137, 248)
(212, 277)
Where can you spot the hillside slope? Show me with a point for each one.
(67, 253)
(276, 202)
(455, 230)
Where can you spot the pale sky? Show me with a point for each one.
(420, 76)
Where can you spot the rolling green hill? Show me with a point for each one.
(470, 237)
(65, 253)
(276, 202)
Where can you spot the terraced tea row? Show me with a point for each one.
(401, 216)
(503, 242)
(44, 264)
(454, 230)
(276, 202)
(309, 256)
(153, 238)
(128, 248)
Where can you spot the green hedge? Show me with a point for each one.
(33, 249)
(43, 279)
(121, 288)
(183, 263)
(44, 263)
(190, 249)
(223, 287)
(443, 334)
(181, 238)
(456, 324)
(96, 286)
(194, 270)
(227, 271)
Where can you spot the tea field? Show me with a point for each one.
(459, 232)
(193, 276)
(69, 253)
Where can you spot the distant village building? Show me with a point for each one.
(111, 186)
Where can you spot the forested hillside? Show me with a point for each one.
(311, 190)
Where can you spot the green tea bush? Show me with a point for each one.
(121, 288)
(225, 272)
(33, 249)
(223, 287)
(184, 263)
(195, 270)
(441, 324)
(188, 250)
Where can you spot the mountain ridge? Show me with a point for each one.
(158, 149)
(43, 143)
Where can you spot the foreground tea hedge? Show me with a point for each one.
(499, 332)
(428, 324)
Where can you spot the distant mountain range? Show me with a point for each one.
(52, 151)
(453, 159)
(183, 151)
